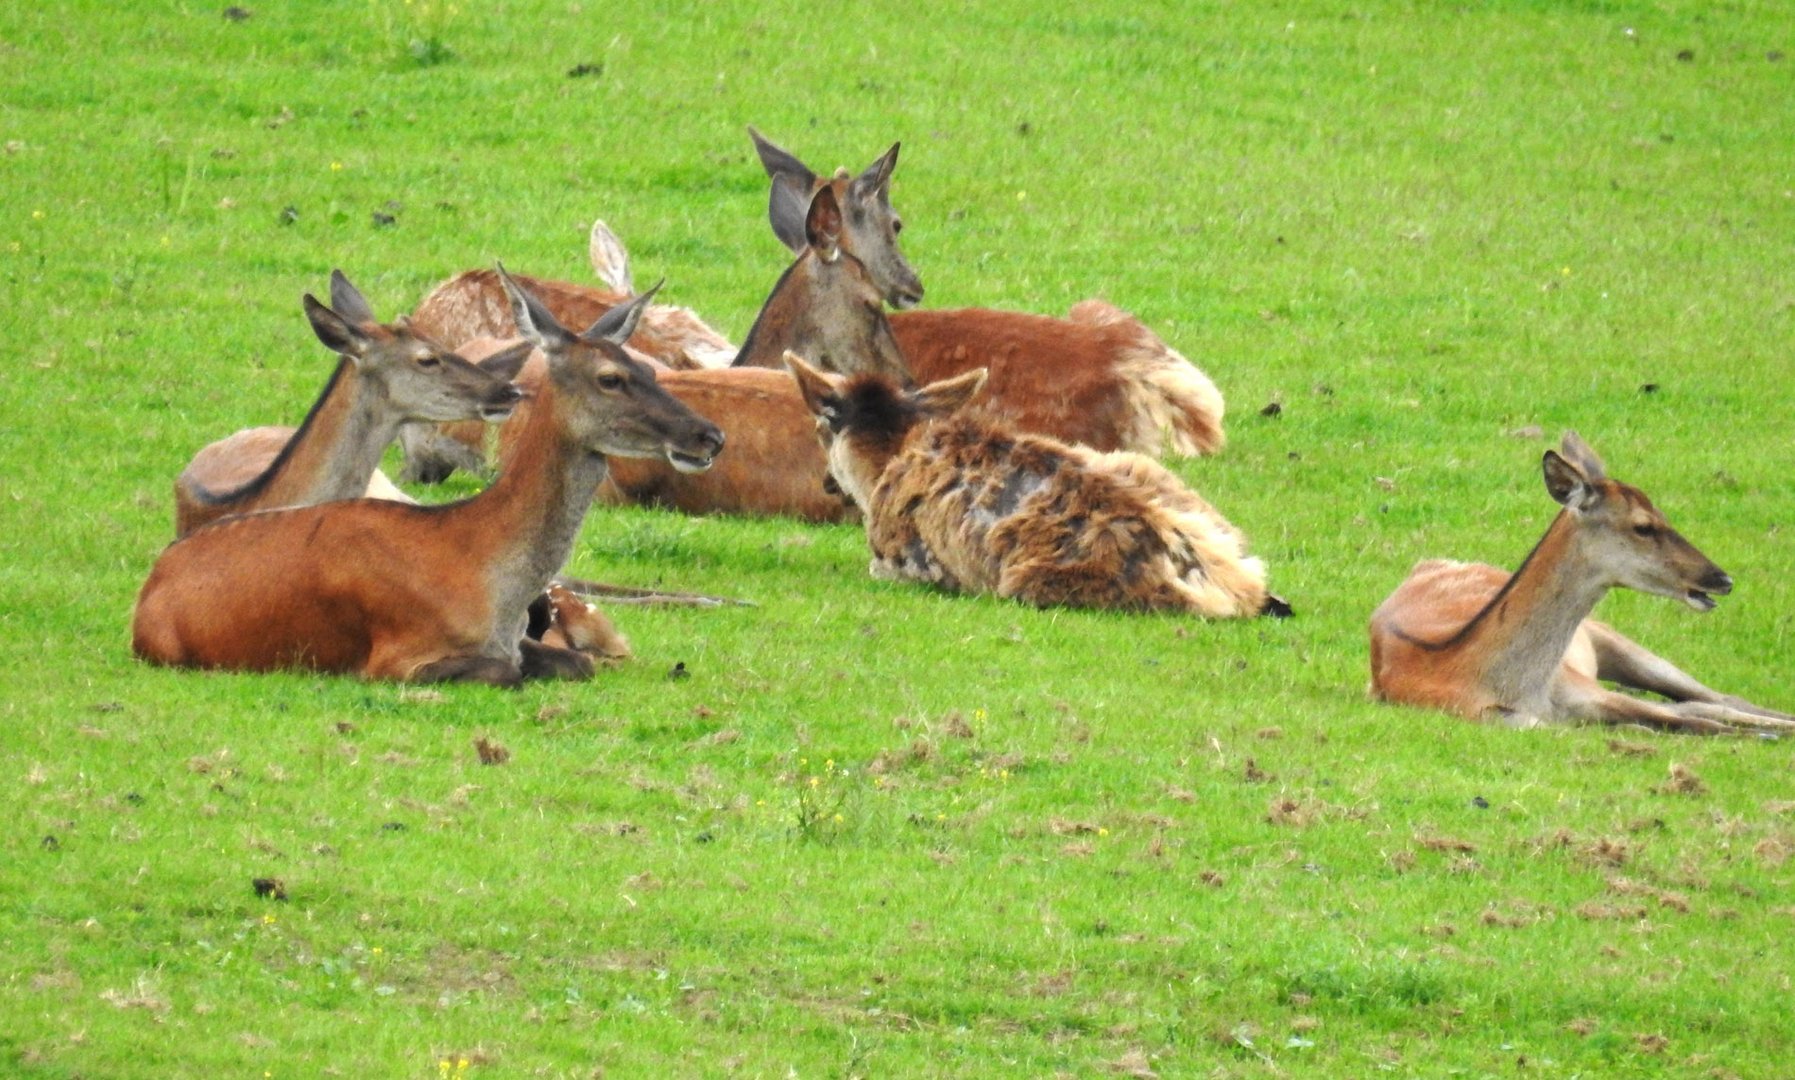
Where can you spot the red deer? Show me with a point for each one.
(1520, 648)
(390, 591)
(1098, 377)
(386, 375)
(958, 500)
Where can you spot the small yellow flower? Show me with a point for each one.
(979, 715)
(1566, 271)
(336, 166)
(1021, 196)
(267, 920)
(377, 950)
(838, 819)
(37, 215)
(1102, 831)
(814, 781)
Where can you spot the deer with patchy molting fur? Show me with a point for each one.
(390, 591)
(1520, 649)
(386, 375)
(957, 500)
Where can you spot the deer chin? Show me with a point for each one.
(689, 463)
(1699, 600)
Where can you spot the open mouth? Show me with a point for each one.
(906, 299)
(496, 412)
(1699, 600)
(688, 463)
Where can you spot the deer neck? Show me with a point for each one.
(1520, 640)
(337, 448)
(523, 526)
(781, 317)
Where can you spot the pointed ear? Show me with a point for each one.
(610, 259)
(535, 323)
(338, 334)
(348, 301)
(1577, 451)
(820, 392)
(789, 201)
(822, 225)
(948, 396)
(876, 180)
(617, 324)
(1568, 485)
(507, 362)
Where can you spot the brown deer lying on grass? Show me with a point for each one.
(390, 591)
(955, 499)
(387, 374)
(1520, 648)
(1098, 377)
(824, 306)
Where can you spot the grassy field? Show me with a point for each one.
(879, 831)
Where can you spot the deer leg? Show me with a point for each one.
(1628, 663)
(1586, 702)
(548, 662)
(470, 668)
(1738, 718)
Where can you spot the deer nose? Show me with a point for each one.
(1718, 582)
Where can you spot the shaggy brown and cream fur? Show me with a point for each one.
(956, 499)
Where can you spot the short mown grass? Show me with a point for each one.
(877, 831)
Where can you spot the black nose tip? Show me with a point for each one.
(714, 437)
(1719, 582)
(509, 394)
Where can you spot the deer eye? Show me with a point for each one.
(610, 380)
(897, 226)
(430, 361)
(1646, 531)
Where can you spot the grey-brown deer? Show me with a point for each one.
(1521, 650)
(390, 591)
(385, 375)
(1098, 377)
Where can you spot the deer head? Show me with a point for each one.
(1623, 535)
(862, 422)
(871, 226)
(611, 403)
(419, 378)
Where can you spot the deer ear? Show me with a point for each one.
(535, 323)
(348, 301)
(338, 334)
(507, 362)
(818, 390)
(610, 259)
(822, 225)
(1568, 485)
(617, 324)
(948, 396)
(876, 180)
(789, 200)
(1576, 450)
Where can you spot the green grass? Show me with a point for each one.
(1068, 843)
